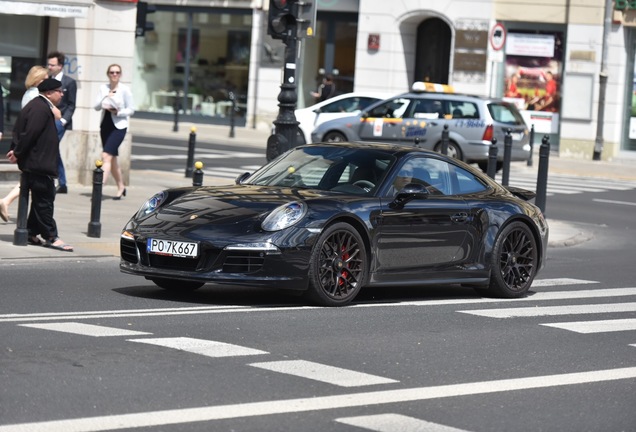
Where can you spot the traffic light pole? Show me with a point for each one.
(286, 123)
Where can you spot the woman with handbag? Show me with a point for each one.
(116, 103)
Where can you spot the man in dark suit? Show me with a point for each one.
(34, 148)
(55, 64)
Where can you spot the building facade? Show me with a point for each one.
(208, 60)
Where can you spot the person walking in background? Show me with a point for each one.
(326, 90)
(34, 148)
(116, 103)
(55, 64)
(36, 75)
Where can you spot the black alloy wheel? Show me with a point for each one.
(514, 261)
(176, 285)
(338, 266)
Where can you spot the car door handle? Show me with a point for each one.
(459, 217)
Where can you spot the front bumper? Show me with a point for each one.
(280, 268)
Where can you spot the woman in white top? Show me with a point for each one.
(116, 103)
(36, 75)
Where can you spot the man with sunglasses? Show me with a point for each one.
(55, 65)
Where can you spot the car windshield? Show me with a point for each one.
(505, 113)
(357, 171)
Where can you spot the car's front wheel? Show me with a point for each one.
(338, 266)
(333, 136)
(177, 285)
(513, 262)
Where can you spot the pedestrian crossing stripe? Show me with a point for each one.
(85, 329)
(525, 312)
(600, 326)
(201, 346)
(323, 373)
(395, 422)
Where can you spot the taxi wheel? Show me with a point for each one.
(331, 137)
(453, 150)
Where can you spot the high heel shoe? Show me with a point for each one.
(118, 197)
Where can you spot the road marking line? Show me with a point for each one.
(601, 326)
(560, 281)
(201, 346)
(86, 329)
(320, 372)
(615, 202)
(525, 312)
(321, 403)
(395, 423)
(536, 297)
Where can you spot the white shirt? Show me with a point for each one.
(124, 101)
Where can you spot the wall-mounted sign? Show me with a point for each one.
(44, 9)
(530, 45)
(373, 42)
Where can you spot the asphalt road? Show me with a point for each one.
(86, 348)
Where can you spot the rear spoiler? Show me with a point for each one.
(524, 194)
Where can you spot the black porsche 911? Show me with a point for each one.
(329, 219)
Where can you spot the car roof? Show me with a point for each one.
(391, 148)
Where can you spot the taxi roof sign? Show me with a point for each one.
(421, 86)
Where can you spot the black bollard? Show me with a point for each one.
(529, 163)
(505, 175)
(492, 159)
(21, 234)
(542, 175)
(445, 140)
(416, 142)
(232, 113)
(191, 143)
(197, 178)
(95, 226)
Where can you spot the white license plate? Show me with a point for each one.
(172, 248)
(517, 136)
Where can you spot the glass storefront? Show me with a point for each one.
(21, 47)
(195, 61)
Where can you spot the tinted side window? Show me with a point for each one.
(463, 110)
(467, 182)
(505, 113)
(347, 105)
(393, 108)
(426, 109)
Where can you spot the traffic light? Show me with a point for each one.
(306, 18)
(281, 20)
(143, 9)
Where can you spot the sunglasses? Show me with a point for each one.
(114, 72)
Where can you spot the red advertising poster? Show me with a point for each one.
(534, 64)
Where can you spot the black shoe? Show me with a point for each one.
(61, 189)
(118, 197)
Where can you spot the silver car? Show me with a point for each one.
(420, 117)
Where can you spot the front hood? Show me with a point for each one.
(223, 208)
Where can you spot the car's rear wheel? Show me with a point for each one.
(333, 136)
(338, 266)
(453, 150)
(513, 262)
(177, 285)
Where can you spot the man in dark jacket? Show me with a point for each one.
(35, 148)
(55, 65)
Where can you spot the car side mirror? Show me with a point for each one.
(408, 193)
(241, 178)
(364, 114)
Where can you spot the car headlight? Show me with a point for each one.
(152, 204)
(284, 216)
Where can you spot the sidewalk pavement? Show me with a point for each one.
(73, 210)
